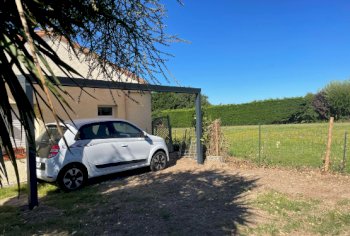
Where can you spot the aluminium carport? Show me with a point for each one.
(88, 83)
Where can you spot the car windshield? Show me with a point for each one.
(47, 139)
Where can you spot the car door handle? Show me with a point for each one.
(124, 145)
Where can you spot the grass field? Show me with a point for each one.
(294, 145)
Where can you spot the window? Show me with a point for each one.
(94, 131)
(126, 130)
(105, 111)
(51, 134)
(47, 139)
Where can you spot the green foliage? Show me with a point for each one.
(59, 212)
(338, 96)
(180, 117)
(9, 216)
(307, 112)
(205, 128)
(330, 223)
(169, 101)
(333, 100)
(12, 191)
(280, 204)
(288, 215)
(321, 105)
(260, 112)
(7, 192)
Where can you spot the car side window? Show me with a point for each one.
(95, 131)
(125, 130)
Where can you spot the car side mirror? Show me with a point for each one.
(77, 136)
(144, 134)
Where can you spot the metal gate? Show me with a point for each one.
(161, 127)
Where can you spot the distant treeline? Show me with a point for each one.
(333, 100)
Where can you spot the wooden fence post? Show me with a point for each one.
(259, 144)
(329, 143)
(217, 137)
(344, 152)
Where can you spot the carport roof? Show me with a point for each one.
(89, 83)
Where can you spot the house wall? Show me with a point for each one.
(138, 108)
(132, 106)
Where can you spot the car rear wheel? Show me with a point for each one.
(72, 177)
(159, 161)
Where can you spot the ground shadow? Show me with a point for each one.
(174, 157)
(141, 202)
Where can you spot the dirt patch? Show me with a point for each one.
(213, 199)
(310, 183)
(188, 199)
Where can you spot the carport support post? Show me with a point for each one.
(199, 129)
(31, 155)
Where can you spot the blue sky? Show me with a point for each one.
(245, 50)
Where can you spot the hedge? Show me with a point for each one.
(259, 112)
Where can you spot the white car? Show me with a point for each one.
(93, 148)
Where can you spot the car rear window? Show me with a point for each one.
(47, 139)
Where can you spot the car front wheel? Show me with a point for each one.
(72, 177)
(159, 161)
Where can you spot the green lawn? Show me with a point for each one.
(58, 210)
(289, 216)
(295, 145)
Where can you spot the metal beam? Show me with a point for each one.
(105, 84)
(200, 159)
(31, 155)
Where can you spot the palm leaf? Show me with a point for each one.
(120, 33)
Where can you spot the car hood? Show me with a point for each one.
(155, 139)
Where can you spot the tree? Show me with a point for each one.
(119, 36)
(321, 105)
(307, 112)
(337, 94)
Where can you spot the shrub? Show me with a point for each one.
(259, 112)
(338, 96)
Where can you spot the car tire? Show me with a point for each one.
(159, 161)
(72, 177)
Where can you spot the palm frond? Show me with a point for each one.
(116, 37)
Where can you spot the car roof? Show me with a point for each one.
(78, 123)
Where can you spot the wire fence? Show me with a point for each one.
(293, 145)
(296, 145)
